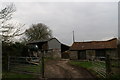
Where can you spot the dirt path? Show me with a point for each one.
(61, 69)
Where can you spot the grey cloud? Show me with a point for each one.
(90, 21)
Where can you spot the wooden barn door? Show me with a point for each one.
(81, 54)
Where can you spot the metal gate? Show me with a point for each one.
(25, 65)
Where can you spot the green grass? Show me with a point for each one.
(84, 64)
(115, 76)
(34, 69)
(16, 75)
(28, 68)
(88, 65)
(115, 64)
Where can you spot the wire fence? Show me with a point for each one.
(114, 67)
(107, 68)
(100, 68)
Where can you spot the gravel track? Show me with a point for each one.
(61, 69)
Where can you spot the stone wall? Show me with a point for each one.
(90, 54)
(73, 55)
(113, 53)
(55, 53)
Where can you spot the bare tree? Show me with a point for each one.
(38, 32)
(7, 12)
(9, 30)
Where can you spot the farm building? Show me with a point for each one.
(52, 47)
(64, 51)
(93, 49)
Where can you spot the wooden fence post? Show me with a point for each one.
(108, 66)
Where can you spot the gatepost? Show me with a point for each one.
(43, 51)
(108, 66)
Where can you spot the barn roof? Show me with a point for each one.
(41, 41)
(109, 44)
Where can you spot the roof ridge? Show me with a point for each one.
(98, 41)
(94, 45)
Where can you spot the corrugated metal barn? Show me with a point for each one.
(52, 47)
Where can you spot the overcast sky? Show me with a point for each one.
(89, 20)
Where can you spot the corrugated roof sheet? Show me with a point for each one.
(110, 44)
(40, 41)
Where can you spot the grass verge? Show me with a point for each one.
(84, 64)
(89, 66)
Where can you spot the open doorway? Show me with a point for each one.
(81, 55)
